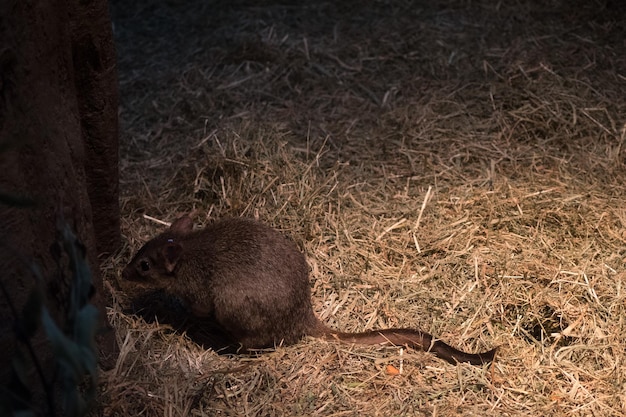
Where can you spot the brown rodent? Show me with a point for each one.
(252, 281)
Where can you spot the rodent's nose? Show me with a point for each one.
(126, 274)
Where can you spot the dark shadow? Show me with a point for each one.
(158, 306)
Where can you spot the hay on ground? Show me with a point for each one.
(456, 167)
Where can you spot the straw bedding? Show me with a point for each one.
(456, 167)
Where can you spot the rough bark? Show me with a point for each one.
(95, 78)
(58, 147)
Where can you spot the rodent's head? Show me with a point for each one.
(154, 265)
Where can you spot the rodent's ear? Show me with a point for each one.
(182, 225)
(171, 255)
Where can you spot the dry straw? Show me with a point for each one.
(457, 167)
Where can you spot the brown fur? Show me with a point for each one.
(253, 282)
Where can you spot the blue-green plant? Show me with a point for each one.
(72, 345)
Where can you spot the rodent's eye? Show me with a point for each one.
(144, 265)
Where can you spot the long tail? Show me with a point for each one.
(414, 339)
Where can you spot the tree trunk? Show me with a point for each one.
(58, 147)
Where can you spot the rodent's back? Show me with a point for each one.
(250, 278)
